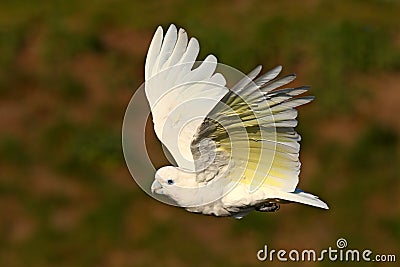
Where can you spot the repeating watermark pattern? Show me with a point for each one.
(339, 253)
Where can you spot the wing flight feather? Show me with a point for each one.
(178, 90)
(252, 129)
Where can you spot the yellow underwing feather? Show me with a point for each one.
(253, 129)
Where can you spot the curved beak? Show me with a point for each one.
(156, 186)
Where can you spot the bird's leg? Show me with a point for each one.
(268, 207)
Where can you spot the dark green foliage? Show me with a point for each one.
(376, 149)
(13, 151)
(67, 70)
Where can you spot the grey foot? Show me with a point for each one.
(268, 207)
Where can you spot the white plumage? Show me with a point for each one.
(236, 149)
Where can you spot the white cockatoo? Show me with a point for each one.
(236, 149)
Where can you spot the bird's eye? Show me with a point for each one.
(170, 181)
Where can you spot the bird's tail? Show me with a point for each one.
(302, 197)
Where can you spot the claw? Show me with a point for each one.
(268, 207)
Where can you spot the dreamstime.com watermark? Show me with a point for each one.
(338, 253)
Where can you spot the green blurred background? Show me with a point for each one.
(69, 68)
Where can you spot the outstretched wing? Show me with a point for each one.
(180, 95)
(252, 130)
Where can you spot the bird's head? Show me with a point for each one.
(175, 183)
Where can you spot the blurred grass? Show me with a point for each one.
(68, 69)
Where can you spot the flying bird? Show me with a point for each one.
(235, 146)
